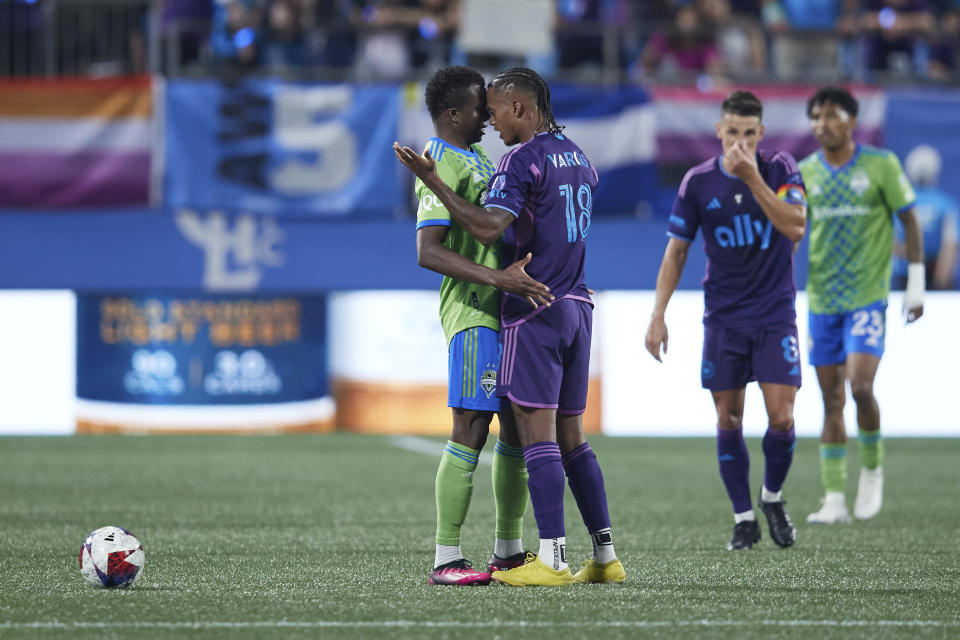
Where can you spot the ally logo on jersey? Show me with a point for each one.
(745, 230)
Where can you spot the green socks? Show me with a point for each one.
(509, 490)
(871, 449)
(833, 467)
(454, 488)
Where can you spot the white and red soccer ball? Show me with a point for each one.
(111, 557)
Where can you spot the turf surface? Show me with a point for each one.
(332, 536)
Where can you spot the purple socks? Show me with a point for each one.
(735, 467)
(778, 453)
(545, 480)
(586, 483)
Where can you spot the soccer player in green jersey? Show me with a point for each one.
(470, 315)
(853, 191)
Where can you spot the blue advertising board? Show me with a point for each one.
(201, 350)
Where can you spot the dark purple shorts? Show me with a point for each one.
(734, 356)
(546, 358)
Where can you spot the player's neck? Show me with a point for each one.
(451, 137)
(841, 156)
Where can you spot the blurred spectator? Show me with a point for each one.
(236, 37)
(895, 33)
(386, 30)
(21, 38)
(740, 39)
(496, 34)
(939, 218)
(435, 32)
(682, 50)
(806, 36)
(943, 62)
(184, 30)
(335, 32)
(287, 41)
(579, 38)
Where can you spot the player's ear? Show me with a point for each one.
(760, 132)
(453, 114)
(716, 127)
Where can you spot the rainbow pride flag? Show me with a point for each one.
(75, 142)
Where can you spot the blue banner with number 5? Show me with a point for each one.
(264, 146)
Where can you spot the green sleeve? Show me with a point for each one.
(895, 185)
(430, 207)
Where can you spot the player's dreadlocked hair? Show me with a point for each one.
(837, 95)
(448, 87)
(530, 80)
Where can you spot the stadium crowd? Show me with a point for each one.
(657, 40)
(665, 40)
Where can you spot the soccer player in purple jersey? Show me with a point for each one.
(541, 195)
(751, 207)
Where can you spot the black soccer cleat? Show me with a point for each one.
(781, 526)
(745, 535)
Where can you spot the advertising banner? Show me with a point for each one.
(263, 146)
(140, 354)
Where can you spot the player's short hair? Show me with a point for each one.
(449, 89)
(742, 103)
(837, 95)
(529, 80)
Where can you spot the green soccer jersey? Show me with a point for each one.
(462, 305)
(851, 227)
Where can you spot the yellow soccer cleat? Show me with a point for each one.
(534, 573)
(609, 573)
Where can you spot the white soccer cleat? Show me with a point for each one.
(834, 510)
(869, 494)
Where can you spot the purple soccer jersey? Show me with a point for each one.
(749, 274)
(547, 183)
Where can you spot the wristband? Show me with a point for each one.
(916, 283)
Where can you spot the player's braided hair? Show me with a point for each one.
(530, 80)
(448, 87)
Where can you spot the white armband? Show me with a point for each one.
(916, 284)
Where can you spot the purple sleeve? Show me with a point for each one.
(511, 185)
(788, 181)
(684, 218)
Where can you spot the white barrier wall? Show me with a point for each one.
(916, 384)
(37, 363)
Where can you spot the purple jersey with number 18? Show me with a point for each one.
(547, 183)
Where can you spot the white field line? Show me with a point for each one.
(430, 447)
(413, 624)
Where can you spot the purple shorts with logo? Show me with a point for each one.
(734, 356)
(546, 357)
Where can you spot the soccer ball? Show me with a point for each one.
(111, 557)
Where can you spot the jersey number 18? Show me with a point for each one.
(577, 225)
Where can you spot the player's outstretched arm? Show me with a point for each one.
(674, 259)
(916, 273)
(788, 218)
(433, 255)
(485, 225)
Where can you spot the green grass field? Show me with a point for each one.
(332, 536)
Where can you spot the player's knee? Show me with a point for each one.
(862, 391)
(471, 428)
(781, 421)
(834, 400)
(729, 421)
